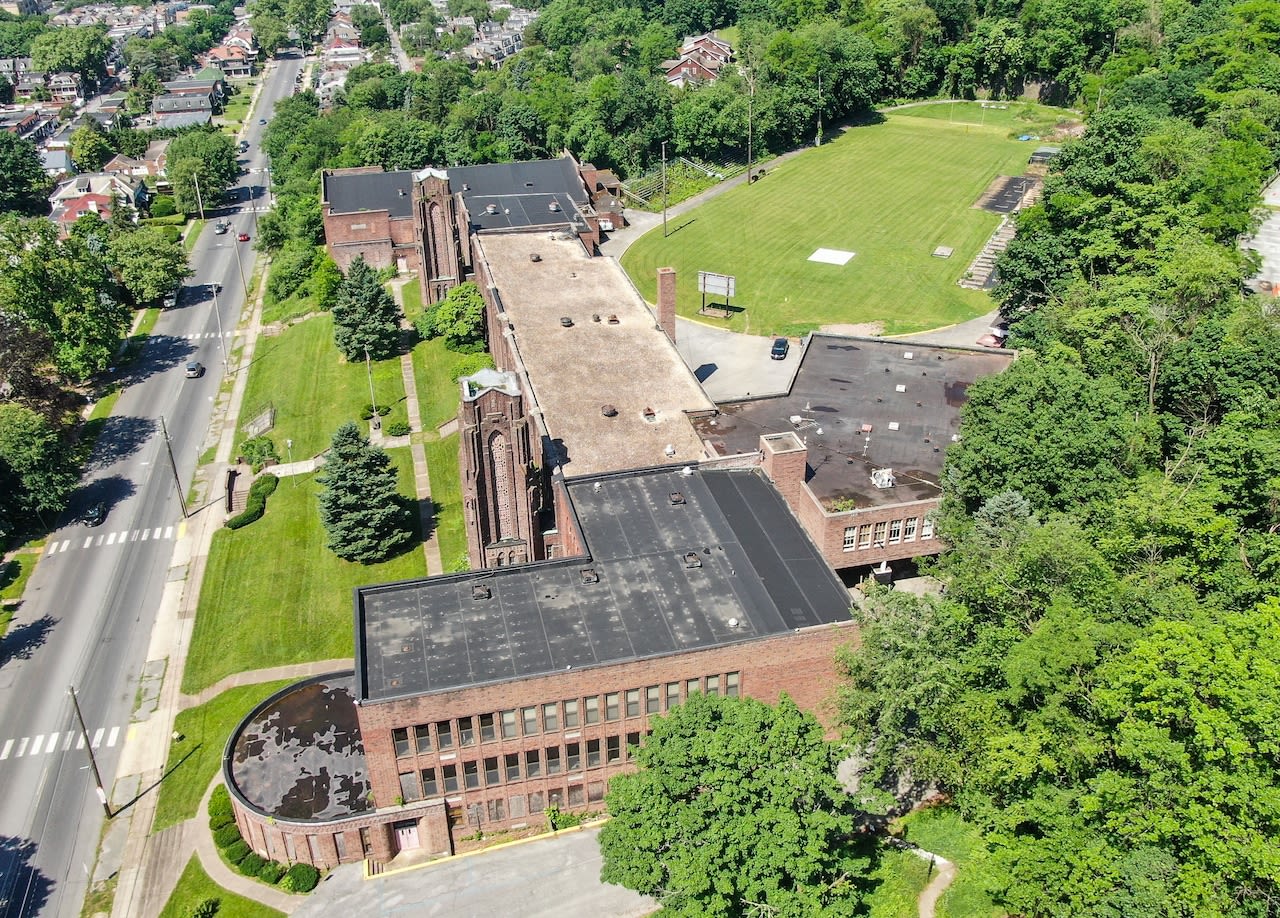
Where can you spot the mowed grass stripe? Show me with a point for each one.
(891, 192)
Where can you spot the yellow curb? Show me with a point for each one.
(498, 847)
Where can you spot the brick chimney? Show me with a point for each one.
(667, 301)
(784, 459)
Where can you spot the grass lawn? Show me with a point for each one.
(446, 492)
(411, 294)
(194, 886)
(273, 593)
(942, 831)
(314, 391)
(889, 192)
(290, 308)
(900, 877)
(14, 575)
(195, 759)
(194, 229)
(433, 373)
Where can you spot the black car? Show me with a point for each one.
(780, 348)
(95, 514)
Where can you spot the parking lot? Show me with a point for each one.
(732, 366)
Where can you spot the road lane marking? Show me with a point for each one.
(156, 534)
(80, 741)
(97, 737)
(99, 542)
(111, 539)
(22, 747)
(36, 744)
(87, 542)
(146, 534)
(113, 736)
(52, 745)
(4, 753)
(66, 744)
(168, 532)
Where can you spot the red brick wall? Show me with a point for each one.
(667, 301)
(800, 664)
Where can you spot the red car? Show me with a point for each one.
(243, 237)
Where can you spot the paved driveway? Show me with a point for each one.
(549, 877)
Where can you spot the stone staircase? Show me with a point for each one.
(982, 271)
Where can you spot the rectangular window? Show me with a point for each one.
(552, 754)
(551, 718)
(571, 714)
(633, 743)
(471, 775)
(592, 708)
(850, 538)
(429, 786)
(909, 529)
(409, 789)
(593, 753)
(613, 749)
(532, 764)
(488, 733)
(864, 537)
(400, 736)
(450, 778)
(517, 806)
(466, 732)
(577, 796)
(513, 766)
(444, 734)
(535, 802)
(877, 539)
(529, 716)
(692, 686)
(497, 810)
(595, 791)
(713, 685)
(508, 724)
(926, 529)
(895, 532)
(611, 703)
(491, 773)
(653, 699)
(673, 694)
(731, 684)
(422, 738)
(573, 757)
(633, 702)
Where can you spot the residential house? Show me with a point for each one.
(701, 59)
(65, 87)
(156, 158)
(98, 193)
(233, 61)
(172, 102)
(57, 163)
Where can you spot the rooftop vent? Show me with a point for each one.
(867, 428)
(400, 191)
(691, 560)
(908, 355)
(733, 623)
(589, 575)
(670, 451)
(882, 478)
(491, 209)
(554, 207)
(677, 498)
(535, 257)
(613, 319)
(609, 411)
(595, 317)
(481, 591)
(650, 415)
(466, 187)
(528, 184)
(899, 388)
(566, 321)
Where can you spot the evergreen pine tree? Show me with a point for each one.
(365, 317)
(360, 506)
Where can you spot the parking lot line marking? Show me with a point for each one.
(52, 744)
(4, 753)
(97, 737)
(113, 736)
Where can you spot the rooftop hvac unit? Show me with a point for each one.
(882, 478)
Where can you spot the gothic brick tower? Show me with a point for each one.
(442, 256)
(500, 477)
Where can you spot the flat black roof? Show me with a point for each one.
(720, 562)
(861, 404)
(354, 192)
(523, 194)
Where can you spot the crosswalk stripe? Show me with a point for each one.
(168, 532)
(66, 744)
(111, 539)
(80, 741)
(52, 745)
(36, 744)
(146, 533)
(22, 747)
(133, 536)
(87, 542)
(121, 534)
(99, 542)
(65, 545)
(113, 736)
(97, 737)
(4, 753)
(156, 534)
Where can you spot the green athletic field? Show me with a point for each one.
(889, 192)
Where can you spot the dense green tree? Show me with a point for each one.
(148, 262)
(18, 32)
(22, 179)
(78, 49)
(90, 148)
(206, 156)
(717, 777)
(458, 318)
(366, 319)
(363, 514)
(32, 448)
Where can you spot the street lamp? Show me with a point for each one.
(240, 267)
(375, 423)
(93, 764)
(195, 176)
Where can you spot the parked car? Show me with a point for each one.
(195, 369)
(243, 237)
(221, 227)
(780, 348)
(262, 121)
(95, 514)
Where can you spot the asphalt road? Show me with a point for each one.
(90, 605)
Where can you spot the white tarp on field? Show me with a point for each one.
(832, 256)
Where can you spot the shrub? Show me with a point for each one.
(237, 852)
(468, 364)
(398, 429)
(367, 412)
(252, 864)
(226, 836)
(271, 872)
(300, 878)
(220, 801)
(162, 206)
(256, 504)
(220, 820)
(206, 908)
(258, 451)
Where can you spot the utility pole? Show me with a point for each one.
(195, 176)
(93, 763)
(240, 267)
(751, 99)
(818, 141)
(664, 189)
(375, 423)
(217, 311)
(177, 481)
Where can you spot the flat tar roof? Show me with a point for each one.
(861, 404)
(352, 193)
(576, 371)
(545, 192)
(677, 562)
